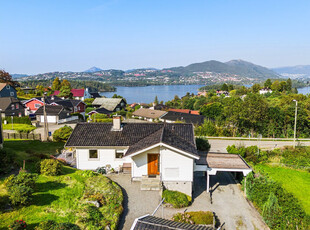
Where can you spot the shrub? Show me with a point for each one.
(17, 225)
(202, 144)
(177, 199)
(62, 134)
(50, 167)
(52, 225)
(20, 187)
(6, 160)
(199, 217)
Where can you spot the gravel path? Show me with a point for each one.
(229, 204)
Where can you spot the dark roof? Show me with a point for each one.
(6, 101)
(186, 117)
(50, 99)
(95, 95)
(155, 223)
(137, 136)
(102, 111)
(50, 110)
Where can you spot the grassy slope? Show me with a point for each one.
(294, 181)
(56, 198)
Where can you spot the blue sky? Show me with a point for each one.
(74, 35)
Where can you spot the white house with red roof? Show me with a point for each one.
(78, 94)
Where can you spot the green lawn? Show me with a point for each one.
(294, 181)
(19, 127)
(61, 198)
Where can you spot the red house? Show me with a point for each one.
(33, 105)
(78, 94)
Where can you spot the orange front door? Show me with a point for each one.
(152, 163)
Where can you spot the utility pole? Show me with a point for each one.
(295, 123)
(45, 133)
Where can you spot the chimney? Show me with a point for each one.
(117, 123)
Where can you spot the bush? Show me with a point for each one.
(6, 160)
(50, 167)
(202, 144)
(52, 225)
(20, 188)
(62, 134)
(17, 225)
(250, 154)
(200, 217)
(87, 173)
(177, 199)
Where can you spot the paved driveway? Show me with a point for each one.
(227, 202)
(136, 202)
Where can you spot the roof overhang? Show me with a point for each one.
(161, 144)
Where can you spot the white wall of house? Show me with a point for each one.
(175, 166)
(105, 157)
(50, 119)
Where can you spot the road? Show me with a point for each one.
(220, 145)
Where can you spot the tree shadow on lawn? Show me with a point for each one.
(50, 185)
(66, 170)
(44, 199)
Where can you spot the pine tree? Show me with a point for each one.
(156, 100)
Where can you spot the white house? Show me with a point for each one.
(157, 153)
(265, 90)
(165, 152)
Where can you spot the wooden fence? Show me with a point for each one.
(26, 136)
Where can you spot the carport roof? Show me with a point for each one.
(222, 160)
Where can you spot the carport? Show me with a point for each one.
(211, 163)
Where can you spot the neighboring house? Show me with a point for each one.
(7, 91)
(54, 113)
(74, 106)
(202, 93)
(28, 90)
(32, 105)
(265, 90)
(10, 106)
(220, 93)
(35, 103)
(101, 111)
(110, 104)
(171, 117)
(78, 94)
(94, 95)
(196, 112)
(149, 222)
(165, 152)
(148, 114)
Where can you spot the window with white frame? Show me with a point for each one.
(7, 86)
(12, 106)
(119, 153)
(93, 154)
(12, 94)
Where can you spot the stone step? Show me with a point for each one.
(146, 187)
